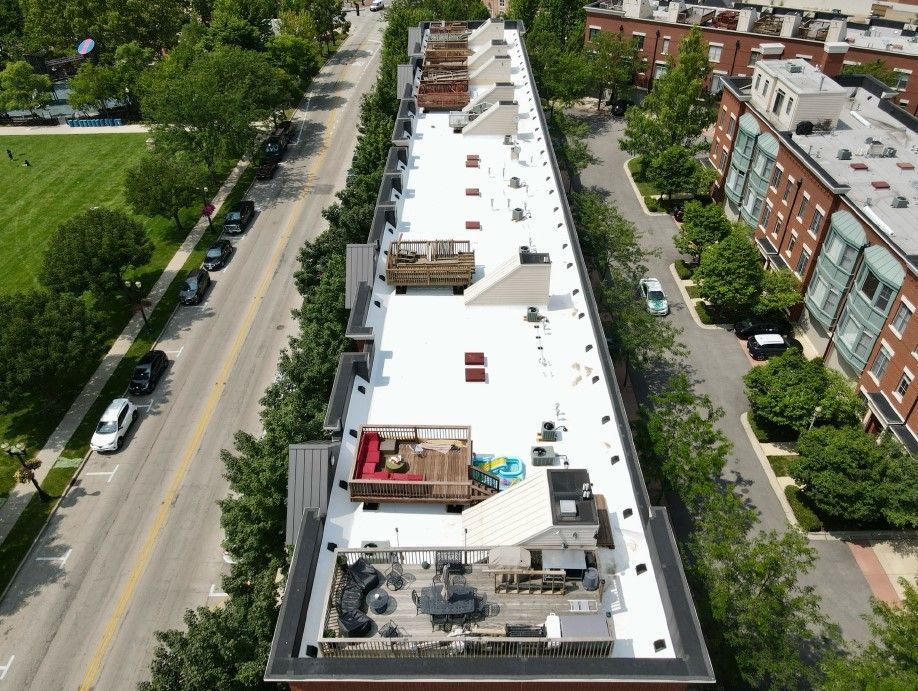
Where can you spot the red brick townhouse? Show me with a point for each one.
(824, 171)
(740, 36)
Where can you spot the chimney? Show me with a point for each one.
(746, 19)
(838, 30)
(674, 9)
(832, 58)
(789, 25)
(637, 9)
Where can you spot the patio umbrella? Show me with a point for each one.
(446, 581)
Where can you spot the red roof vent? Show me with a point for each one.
(905, 165)
(859, 166)
(880, 185)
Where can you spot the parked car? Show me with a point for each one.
(148, 371)
(284, 131)
(654, 297)
(620, 107)
(273, 148)
(113, 425)
(764, 346)
(265, 171)
(195, 286)
(239, 216)
(377, 5)
(752, 326)
(217, 255)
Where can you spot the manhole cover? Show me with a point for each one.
(279, 327)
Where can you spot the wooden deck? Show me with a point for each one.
(513, 608)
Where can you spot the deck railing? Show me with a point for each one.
(382, 555)
(467, 646)
(422, 433)
(420, 491)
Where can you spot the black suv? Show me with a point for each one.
(195, 286)
(239, 216)
(754, 326)
(763, 346)
(266, 170)
(148, 372)
(217, 255)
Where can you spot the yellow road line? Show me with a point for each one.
(127, 592)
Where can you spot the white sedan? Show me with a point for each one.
(654, 297)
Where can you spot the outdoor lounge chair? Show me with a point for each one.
(395, 578)
(364, 575)
(354, 625)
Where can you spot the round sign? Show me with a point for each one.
(85, 47)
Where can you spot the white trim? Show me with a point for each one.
(907, 303)
(713, 43)
(902, 70)
(639, 33)
(803, 57)
(593, 26)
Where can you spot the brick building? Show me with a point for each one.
(740, 36)
(824, 171)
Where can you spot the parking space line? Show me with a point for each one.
(174, 353)
(6, 668)
(145, 406)
(216, 593)
(110, 473)
(62, 560)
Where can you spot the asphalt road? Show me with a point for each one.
(137, 540)
(716, 364)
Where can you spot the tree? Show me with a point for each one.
(846, 474)
(691, 451)
(890, 660)
(780, 292)
(676, 111)
(93, 86)
(524, 9)
(702, 226)
(788, 389)
(562, 74)
(131, 59)
(209, 103)
(614, 63)
(299, 24)
(44, 337)
(563, 20)
(22, 89)
(730, 273)
(163, 185)
(298, 57)
(674, 170)
(757, 603)
(875, 68)
(92, 250)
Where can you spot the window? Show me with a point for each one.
(876, 293)
(714, 52)
(721, 116)
(776, 177)
(765, 86)
(659, 69)
(639, 41)
(787, 189)
(803, 261)
(594, 31)
(900, 321)
(736, 180)
(777, 228)
(840, 252)
(758, 80)
(723, 160)
(878, 369)
(903, 384)
(754, 57)
(779, 101)
(752, 205)
(666, 45)
(731, 126)
(855, 338)
(902, 82)
(766, 215)
(803, 205)
(791, 243)
(790, 104)
(816, 222)
(762, 166)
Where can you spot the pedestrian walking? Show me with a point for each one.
(26, 163)
(10, 154)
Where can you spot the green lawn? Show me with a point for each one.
(646, 188)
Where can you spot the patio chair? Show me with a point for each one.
(416, 600)
(395, 578)
(391, 630)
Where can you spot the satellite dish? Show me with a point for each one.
(85, 46)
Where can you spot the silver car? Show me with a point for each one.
(654, 297)
(114, 425)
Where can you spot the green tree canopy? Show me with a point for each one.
(92, 86)
(44, 337)
(163, 185)
(846, 474)
(702, 225)
(22, 89)
(780, 292)
(614, 63)
(674, 170)
(786, 391)
(677, 110)
(875, 68)
(730, 273)
(298, 57)
(561, 72)
(888, 662)
(92, 251)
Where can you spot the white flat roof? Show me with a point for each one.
(533, 374)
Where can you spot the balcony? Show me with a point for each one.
(516, 608)
(430, 263)
(409, 464)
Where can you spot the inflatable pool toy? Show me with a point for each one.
(509, 469)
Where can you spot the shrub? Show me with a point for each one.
(703, 314)
(684, 270)
(652, 203)
(693, 291)
(808, 520)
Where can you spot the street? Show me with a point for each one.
(137, 540)
(716, 364)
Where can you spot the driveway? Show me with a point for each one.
(717, 364)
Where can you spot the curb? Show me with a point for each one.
(690, 302)
(637, 192)
(769, 473)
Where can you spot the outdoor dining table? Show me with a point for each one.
(461, 601)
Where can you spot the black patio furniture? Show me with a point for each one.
(461, 601)
(378, 600)
(395, 578)
(450, 558)
(364, 574)
(390, 630)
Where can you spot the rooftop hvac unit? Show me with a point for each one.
(804, 127)
(899, 202)
(889, 152)
(515, 182)
(543, 455)
(844, 154)
(794, 68)
(517, 214)
(549, 431)
(532, 314)
(876, 148)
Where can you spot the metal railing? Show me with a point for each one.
(467, 646)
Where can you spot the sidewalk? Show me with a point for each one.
(64, 129)
(49, 455)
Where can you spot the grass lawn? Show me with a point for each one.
(781, 464)
(646, 188)
(68, 174)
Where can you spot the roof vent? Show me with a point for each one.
(515, 182)
(844, 154)
(889, 152)
(876, 148)
(794, 67)
(899, 202)
(567, 508)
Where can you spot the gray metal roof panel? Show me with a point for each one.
(360, 267)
